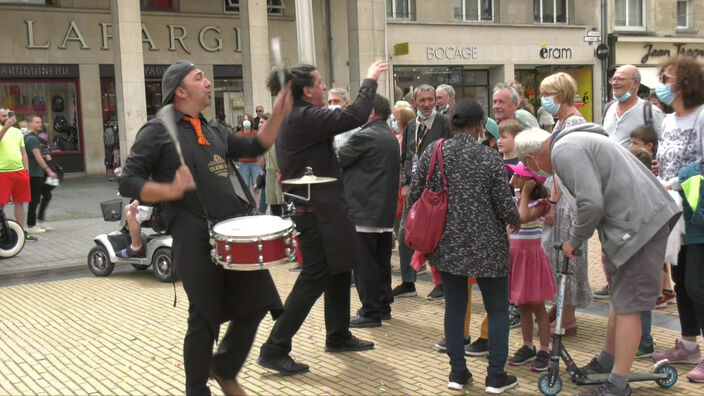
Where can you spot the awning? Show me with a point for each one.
(648, 76)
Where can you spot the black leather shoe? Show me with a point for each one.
(360, 321)
(353, 344)
(283, 366)
(386, 316)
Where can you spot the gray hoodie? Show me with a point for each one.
(616, 194)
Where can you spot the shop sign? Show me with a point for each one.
(38, 71)
(555, 53)
(452, 52)
(679, 49)
(208, 37)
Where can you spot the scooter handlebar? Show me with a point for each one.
(558, 246)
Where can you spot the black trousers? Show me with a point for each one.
(230, 356)
(41, 195)
(688, 276)
(373, 274)
(313, 281)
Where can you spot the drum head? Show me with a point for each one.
(252, 226)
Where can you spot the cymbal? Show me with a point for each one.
(309, 179)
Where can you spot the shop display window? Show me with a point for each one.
(55, 101)
(468, 83)
(229, 99)
(158, 5)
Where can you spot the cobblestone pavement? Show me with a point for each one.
(121, 335)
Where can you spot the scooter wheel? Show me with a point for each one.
(162, 263)
(671, 372)
(546, 389)
(99, 261)
(11, 240)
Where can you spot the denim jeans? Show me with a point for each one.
(405, 254)
(249, 172)
(495, 296)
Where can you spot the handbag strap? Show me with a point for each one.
(437, 154)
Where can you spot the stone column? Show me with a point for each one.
(92, 119)
(209, 112)
(129, 71)
(255, 48)
(305, 31)
(366, 24)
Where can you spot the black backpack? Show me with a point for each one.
(647, 111)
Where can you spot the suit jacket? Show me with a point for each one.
(305, 140)
(370, 163)
(440, 129)
(255, 123)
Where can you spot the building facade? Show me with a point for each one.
(84, 65)
(646, 32)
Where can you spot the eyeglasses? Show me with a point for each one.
(619, 80)
(665, 77)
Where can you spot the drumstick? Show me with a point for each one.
(165, 115)
(278, 61)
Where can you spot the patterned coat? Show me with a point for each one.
(480, 205)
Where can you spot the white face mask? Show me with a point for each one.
(24, 131)
(333, 107)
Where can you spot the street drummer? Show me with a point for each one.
(196, 193)
(327, 236)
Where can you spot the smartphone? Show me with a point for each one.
(10, 114)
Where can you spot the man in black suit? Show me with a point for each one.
(327, 237)
(419, 133)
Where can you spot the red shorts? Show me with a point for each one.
(15, 185)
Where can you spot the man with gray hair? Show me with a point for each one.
(445, 99)
(505, 107)
(339, 98)
(633, 225)
(427, 127)
(627, 111)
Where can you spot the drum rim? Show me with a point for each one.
(289, 232)
(254, 267)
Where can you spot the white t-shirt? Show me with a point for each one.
(681, 142)
(619, 128)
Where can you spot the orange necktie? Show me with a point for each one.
(195, 122)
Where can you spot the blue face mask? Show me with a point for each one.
(623, 97)
(425, 117)
(549, 105)
(246, 124)
(664, 93)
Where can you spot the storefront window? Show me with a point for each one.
(531, 78)
(474, 10)
(273, 7)
(55, 101)
(468, 83)
(229, 99)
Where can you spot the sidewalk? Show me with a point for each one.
(122, 335)
(74, 212)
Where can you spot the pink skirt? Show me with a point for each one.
(530, 278)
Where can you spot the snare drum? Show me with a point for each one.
(252, 243)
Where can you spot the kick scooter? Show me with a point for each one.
(550, 384)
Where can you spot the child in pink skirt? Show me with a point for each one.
(530, 279)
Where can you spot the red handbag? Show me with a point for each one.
(425, 221)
